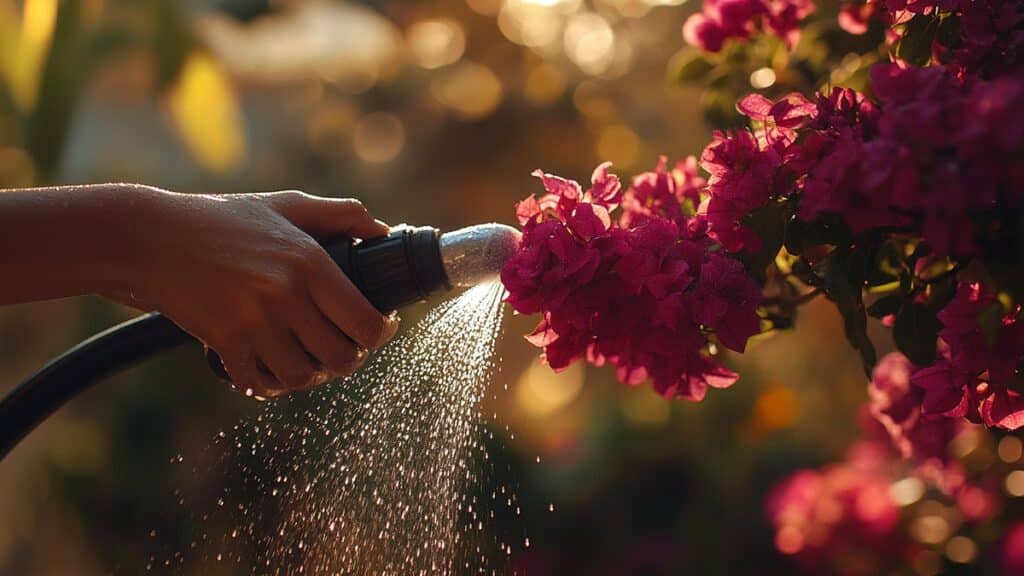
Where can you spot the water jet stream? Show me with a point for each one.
(374, 474)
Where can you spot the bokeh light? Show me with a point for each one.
(1015, 483)
(378, 137)
(544, 85)
(590, 42)
(1009, 449)
(762, 78)
(436, 43)
(541, 392)
(471, 91)
(961, 550)
(907, 491)
(345, 43)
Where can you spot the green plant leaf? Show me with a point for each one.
(689, 65)
(915, 332)
(828, 229)
(885, 306)
(841, 275)
(769, 223)
(916, 44)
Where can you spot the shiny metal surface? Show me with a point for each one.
(477, 254)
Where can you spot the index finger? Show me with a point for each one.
(347, 307)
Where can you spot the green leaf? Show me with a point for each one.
(769, 223)
(948, 31)
(172, 42)
(719, 109)
(689, 65)
(841, 275)
(828, 229)
(887, 265)
(990, 320)
(916, 44)
(885, 306)
(61, 86)
(796, 234)
(915, 332)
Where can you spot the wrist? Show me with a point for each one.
(129, 219)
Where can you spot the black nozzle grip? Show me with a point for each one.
(392, 271)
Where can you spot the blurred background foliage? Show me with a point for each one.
(431, 112)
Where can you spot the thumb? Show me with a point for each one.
(328, 217)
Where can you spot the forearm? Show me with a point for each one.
(68, 240)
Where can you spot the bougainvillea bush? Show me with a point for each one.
(881, 166)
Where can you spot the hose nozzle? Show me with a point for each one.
(478, 253)
(411, 263)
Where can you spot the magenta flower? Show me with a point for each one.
(720, 20)
(643, 295)
(991, 39)
(855, 16)
(897, 405)
(935, 152)
(704, 33)
(742, 179)
(824, 517)
(663, 193)
(973, 376)
(728, 300)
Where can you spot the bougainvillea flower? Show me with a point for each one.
(897, 405)
(742, 180)
(644, 293)
(720, 20)
(839, 511)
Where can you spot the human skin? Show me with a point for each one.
(243, 273)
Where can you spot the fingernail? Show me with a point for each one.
(391, 323)
(321, 377)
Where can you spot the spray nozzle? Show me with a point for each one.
(411, 263)
(476, 254)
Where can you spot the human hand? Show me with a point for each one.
(244, 275)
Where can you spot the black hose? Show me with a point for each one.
(66, 376)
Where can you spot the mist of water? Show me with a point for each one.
(376, 474)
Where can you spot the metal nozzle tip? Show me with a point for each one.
(478, 253)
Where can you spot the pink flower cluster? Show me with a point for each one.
(720, 20)
(797, 146)
(663, 193)
(845, 518)
(934, 153)
(977, 369)
(840, 519)
(896, 404)
(989, 40)
(642, 294)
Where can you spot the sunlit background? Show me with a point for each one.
(431, 112)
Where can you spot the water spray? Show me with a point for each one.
(406, 266)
